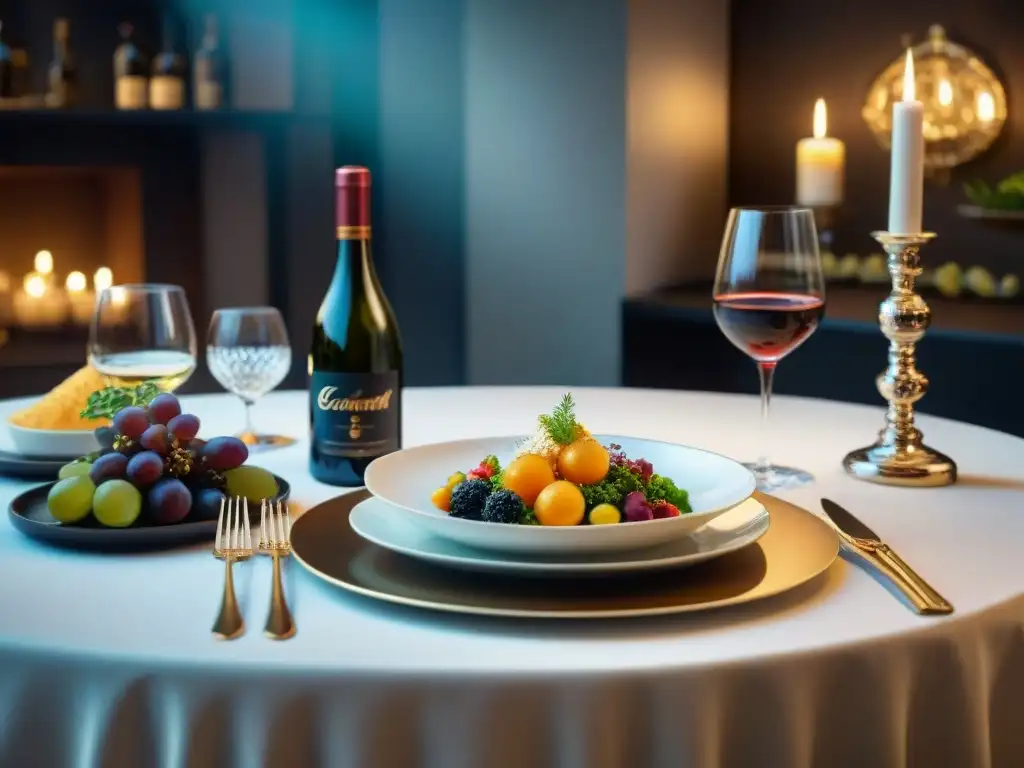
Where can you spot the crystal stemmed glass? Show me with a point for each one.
(248, 352)
(143, 332)
(769, 297)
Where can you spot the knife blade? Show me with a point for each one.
(861, 539)
(847, 523)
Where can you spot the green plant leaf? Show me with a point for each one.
(105, 403)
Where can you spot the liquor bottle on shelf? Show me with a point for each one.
(6, 69)
(167, 84)
(63, 75)
(131, 73)
(355, 363)
(210, 69)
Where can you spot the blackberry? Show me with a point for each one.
(468, 499)
(503, 507)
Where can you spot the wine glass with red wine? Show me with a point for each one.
(769, 298)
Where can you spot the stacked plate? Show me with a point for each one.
(400, 517)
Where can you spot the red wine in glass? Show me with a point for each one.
(767, 325)
(769, 296)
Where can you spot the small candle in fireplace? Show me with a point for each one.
(81, 300)
(43, 265)
(43, 262)
(37, 306)
(102, 279)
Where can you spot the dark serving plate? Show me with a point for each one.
(28, 513)
(32, 467)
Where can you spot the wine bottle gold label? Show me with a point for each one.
(354, 233)
(131, 92)
(166, 92)
(354, 415)
(326, 401)
(208, 95)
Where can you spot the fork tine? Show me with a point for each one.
(272, 522)
(287, 523)
(238, 522)
(240, 541)
(246, 531)
(219, 542)
(280, 525)
(263, 523)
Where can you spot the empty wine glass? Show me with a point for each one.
(769, 298)
(143, 332)
(248, 352)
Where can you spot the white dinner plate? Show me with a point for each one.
(406, 479)
(381, 524)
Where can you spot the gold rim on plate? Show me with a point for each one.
(797, 547)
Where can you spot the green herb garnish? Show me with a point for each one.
(617, 484)
(561, 425)
(660, 487)
(105, 403)
(528, 518)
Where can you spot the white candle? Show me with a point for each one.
(906, 180)
(819, 165)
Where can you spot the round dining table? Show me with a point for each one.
(107, 660)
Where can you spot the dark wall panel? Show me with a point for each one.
(420, 183)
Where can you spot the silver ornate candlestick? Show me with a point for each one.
(900, 457)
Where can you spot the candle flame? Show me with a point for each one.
(75, 282)
(986, 107)
(908, 78)
(35, 285)
(102, 279)
(820, 119)
(118, 296)
(43, 262)
(945, 92)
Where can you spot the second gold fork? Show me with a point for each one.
(275, 525)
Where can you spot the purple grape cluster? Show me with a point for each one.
(157, 450)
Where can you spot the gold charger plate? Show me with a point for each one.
(797, 547)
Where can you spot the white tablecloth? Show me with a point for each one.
(108, 660)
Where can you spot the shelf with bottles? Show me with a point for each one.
(163, 83)
(950, 280)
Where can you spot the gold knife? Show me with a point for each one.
(865, 542)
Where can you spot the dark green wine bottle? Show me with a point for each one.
(355, 365)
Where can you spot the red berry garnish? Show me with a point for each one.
(663, 509)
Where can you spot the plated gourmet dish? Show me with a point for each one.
(562, 476)
(151, 466)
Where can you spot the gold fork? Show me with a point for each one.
(233, 544)
(275, 525)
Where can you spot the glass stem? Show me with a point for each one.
(248, 417)
(766, 372)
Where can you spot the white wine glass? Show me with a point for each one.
(143, 332)
(248, 352)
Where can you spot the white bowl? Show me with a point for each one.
(48, 443)
(407, 478)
